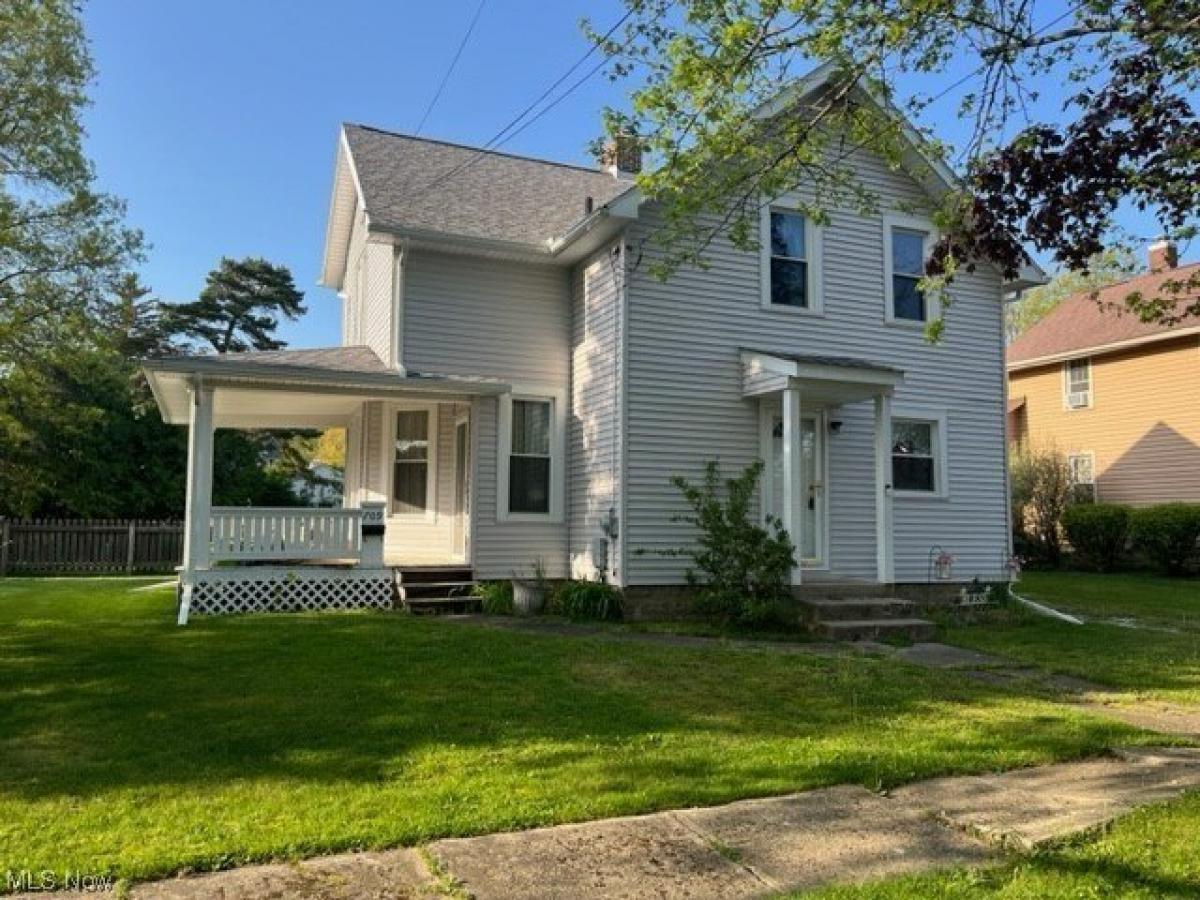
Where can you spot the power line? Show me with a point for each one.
(450, 68)
(515, 125)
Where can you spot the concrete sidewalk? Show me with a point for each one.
(751, 848)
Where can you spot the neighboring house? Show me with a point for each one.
(322, 485)
(1120, 397)
(519, 390)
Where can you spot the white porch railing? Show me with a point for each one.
(278, 533)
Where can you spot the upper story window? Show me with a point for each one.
(919, 454)
(791, 261)
(411, 482)
(530, 461)
(1077, 383)
(906, 245)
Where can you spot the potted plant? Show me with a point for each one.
(529, 594)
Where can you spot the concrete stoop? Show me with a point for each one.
(866, 618)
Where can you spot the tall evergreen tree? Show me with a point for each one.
(240, 307)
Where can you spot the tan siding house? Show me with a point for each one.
(1121, 398)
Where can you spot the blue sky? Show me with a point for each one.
(217, 121)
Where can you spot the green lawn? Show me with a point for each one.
(1143, 663)
(1146, 598)
(1149, 854)
(133, 747)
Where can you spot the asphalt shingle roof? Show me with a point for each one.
(358, 360)
(415, 183)
(1082, 322)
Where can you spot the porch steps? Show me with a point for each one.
(434, 590)
(846, 618)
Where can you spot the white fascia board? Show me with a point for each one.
(345, 199)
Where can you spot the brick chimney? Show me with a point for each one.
(1163, 256)
(622, 154)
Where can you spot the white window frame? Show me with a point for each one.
(813, 243)
(557, 399)
(941, 457)
(1090, 456)
(389, 458)
(933, 308)
(1066, 382)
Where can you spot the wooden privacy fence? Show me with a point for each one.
(117, 546)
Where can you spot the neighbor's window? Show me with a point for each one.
(914, 455)
(1078, 378)
(789, 259)
(529, 458)
(1082, 472)
(410, 465)
(908, 267)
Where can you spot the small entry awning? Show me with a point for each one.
(319, 388)
(823, 379)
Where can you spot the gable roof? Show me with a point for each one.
(417, 184)
(1082, 324)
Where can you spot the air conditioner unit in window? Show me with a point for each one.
(1077, 399)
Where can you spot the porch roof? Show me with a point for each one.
(822, 379)
(318, 388)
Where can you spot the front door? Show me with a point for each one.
(812, 485)
(462, 434)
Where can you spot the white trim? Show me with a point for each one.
(1099, 349)
(461, 419)
(389, 448)
(1090, 456)
(885, 551)
(813, 250)
(397, 335)
(941, 457)
(557, 398)
(933, 308)
(1066, 384)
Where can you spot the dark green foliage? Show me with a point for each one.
(240, 306)
(1168, 534)
(1098, 532)
(741, 570)
(495, 597)
(588, 601)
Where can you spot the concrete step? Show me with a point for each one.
(427, 574)
(876, 629)
(435, 589)
(435, 606)
(831, 609)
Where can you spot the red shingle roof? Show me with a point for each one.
(1082, 323)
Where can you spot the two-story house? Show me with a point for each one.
(518, 389)
(1119, 396)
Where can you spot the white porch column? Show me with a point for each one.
(792, 520)
(199, 492)
(884, 565)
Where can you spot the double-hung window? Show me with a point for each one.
(906, 246)
(791, 264)
(1081, 468)
(530, 462)
(411, 480)
(919, 456)
(1077, 383)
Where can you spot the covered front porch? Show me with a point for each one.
(801, 399)
(408, 489)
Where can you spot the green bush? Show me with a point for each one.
(741, 570)
(1167, 533)
(495, 597)
(1040, 480)
(1098, 532)
(588, 601)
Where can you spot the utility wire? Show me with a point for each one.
(515, 126)
(450, 68)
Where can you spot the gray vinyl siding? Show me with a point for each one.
(594, 427)
(511, 321)
(685, 402)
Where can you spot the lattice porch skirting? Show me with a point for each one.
(254, 589)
